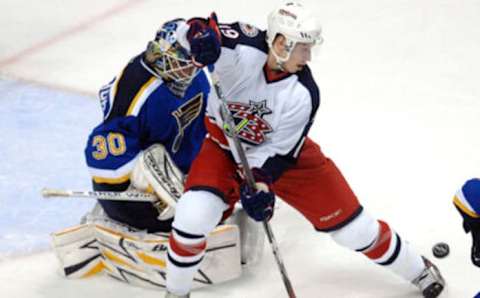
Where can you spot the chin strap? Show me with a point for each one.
(279, 61)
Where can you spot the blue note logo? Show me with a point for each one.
(185, 114)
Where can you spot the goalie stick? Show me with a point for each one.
(164, 209)
(131, 196)
(230, 130)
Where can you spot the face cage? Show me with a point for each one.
(176, 69)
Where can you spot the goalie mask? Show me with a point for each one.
(169, 56)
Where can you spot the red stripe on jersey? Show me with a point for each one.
(274, 75)
(184, 250)
(383, 242)
(216, 133)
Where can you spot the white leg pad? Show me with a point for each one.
(139, 258)
(77, 250)
(252, 236)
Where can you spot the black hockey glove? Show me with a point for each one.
(258, 203)
(205, 40)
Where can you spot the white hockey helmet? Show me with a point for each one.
(296, 24)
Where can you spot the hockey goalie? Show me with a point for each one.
(102, 245)
(151, 131)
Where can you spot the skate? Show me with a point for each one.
(171, 295)
(430, 281)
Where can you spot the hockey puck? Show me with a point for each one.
(441, 250)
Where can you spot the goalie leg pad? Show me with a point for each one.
(252, 236)
(77, 250)
(139, 258)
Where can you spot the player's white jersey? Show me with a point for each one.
(272, 115)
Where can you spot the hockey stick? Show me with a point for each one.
(231, 130)
(130, 196)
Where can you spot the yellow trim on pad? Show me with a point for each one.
(151, 260)
(95, 269)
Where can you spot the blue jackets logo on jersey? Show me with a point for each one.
(250, 126)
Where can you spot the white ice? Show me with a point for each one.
(399, 115)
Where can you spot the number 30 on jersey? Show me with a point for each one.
(113, 144)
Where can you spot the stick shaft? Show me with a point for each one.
(228, 119)
(131, 196)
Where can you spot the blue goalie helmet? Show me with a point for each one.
(169, 56)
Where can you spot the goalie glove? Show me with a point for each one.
(155, 172)
(258, 203)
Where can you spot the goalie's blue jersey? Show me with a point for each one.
(140, 110)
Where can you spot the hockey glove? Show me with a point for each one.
(258, 203)
(205, 40)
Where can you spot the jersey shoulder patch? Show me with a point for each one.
(243, 34)
(249, 30)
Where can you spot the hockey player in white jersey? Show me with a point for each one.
(273, 99)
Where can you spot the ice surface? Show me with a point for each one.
(399, 115)
(43, 133)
